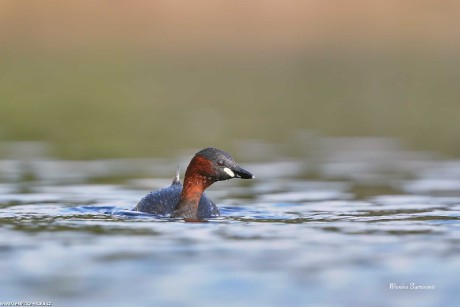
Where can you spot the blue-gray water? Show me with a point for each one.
(335, 224)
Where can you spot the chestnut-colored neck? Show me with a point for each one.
(195, 182)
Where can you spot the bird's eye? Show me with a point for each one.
(220, 162)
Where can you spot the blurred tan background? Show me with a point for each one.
(143, 78)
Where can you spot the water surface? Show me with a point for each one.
(337, 227)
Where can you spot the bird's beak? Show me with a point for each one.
(241, 173)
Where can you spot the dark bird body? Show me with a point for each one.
(163, 202)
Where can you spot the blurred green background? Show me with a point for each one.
(147, 78)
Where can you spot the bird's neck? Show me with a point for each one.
(194, 185)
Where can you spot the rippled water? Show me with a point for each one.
(336, 227)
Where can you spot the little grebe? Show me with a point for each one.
(207, 166)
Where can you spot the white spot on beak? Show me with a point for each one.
(229, 172)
